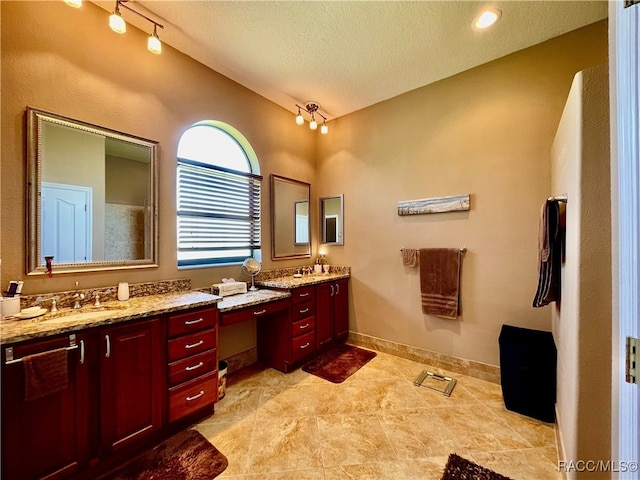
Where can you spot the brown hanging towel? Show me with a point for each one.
(45, 373)
(440, 281)
(549, 254)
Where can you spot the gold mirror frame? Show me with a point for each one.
(35, 157)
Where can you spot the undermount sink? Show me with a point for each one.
(84, 313)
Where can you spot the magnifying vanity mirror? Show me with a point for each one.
(92, 196)
(332, 220)
(290, 227)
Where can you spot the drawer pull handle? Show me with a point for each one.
(305, 294)
(302, 347)
(302, 327)
(81, 351)
(194, 345)
(337, 289)
(195, 397)
(304, 310)
(260, 312)
(194, 367)
(193, 322)
(107, 353)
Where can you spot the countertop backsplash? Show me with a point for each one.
(106, 294)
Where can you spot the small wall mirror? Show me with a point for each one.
(92, 196)
(332, 220)
(290, 226)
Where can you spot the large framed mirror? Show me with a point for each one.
(92, 196)
(332, 220)
(290, 226)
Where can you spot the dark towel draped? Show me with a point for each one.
(45, 373)
(549, 255)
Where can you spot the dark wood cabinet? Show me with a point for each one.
(192, 362)
(332, 312)
(125, 383)
(324, 314)
(341, 310)
(286, 332)
(45, 438)
(132, 382)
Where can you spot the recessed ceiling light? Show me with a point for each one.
(487, 18)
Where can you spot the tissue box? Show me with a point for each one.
(229, 288)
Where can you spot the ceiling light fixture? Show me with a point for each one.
(118, 25)
(74, 3)
(487, 18)
(312, 109)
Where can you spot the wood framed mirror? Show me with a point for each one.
(332, 220)
(290, 225)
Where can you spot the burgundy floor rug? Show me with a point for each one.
(459, 468)
(185, 456)
(339, 363)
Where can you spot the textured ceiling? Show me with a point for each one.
(347, 55)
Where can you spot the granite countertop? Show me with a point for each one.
(290, 282)
(13, 331)
(242, 300)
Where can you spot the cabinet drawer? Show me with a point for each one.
(192, 396)
(303, 345)
(192, 367)
(255, 311)
(305, 325)
(191, 344)
(302, 310)
(192, 321)
(303, 294)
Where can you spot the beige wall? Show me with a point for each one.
(68, 61)
(582, 321)
(487, 132)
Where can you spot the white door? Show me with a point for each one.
(626, 400)
(66, 222)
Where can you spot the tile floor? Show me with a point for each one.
(375, 426)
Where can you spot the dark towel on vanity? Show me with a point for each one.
(549, 255)
(440, 281)
(45, 373)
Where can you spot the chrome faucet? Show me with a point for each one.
(78, 296)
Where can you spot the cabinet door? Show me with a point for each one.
(46, 437)
(133, 367)
(341, 310)
(324, 314)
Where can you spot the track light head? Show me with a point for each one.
(116, 22)
(153, 43)
(312, 108)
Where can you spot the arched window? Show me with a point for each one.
(218, 196)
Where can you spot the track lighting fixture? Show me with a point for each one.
(118, 25)
(312, 109)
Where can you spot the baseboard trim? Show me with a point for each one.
(241, 360)
(483, 371)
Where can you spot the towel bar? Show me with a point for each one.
(462, 249)
(72, 346)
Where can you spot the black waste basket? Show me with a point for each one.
(528, 371)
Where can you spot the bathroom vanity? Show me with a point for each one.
(134, 376)
(139, 370)
(319, 317)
